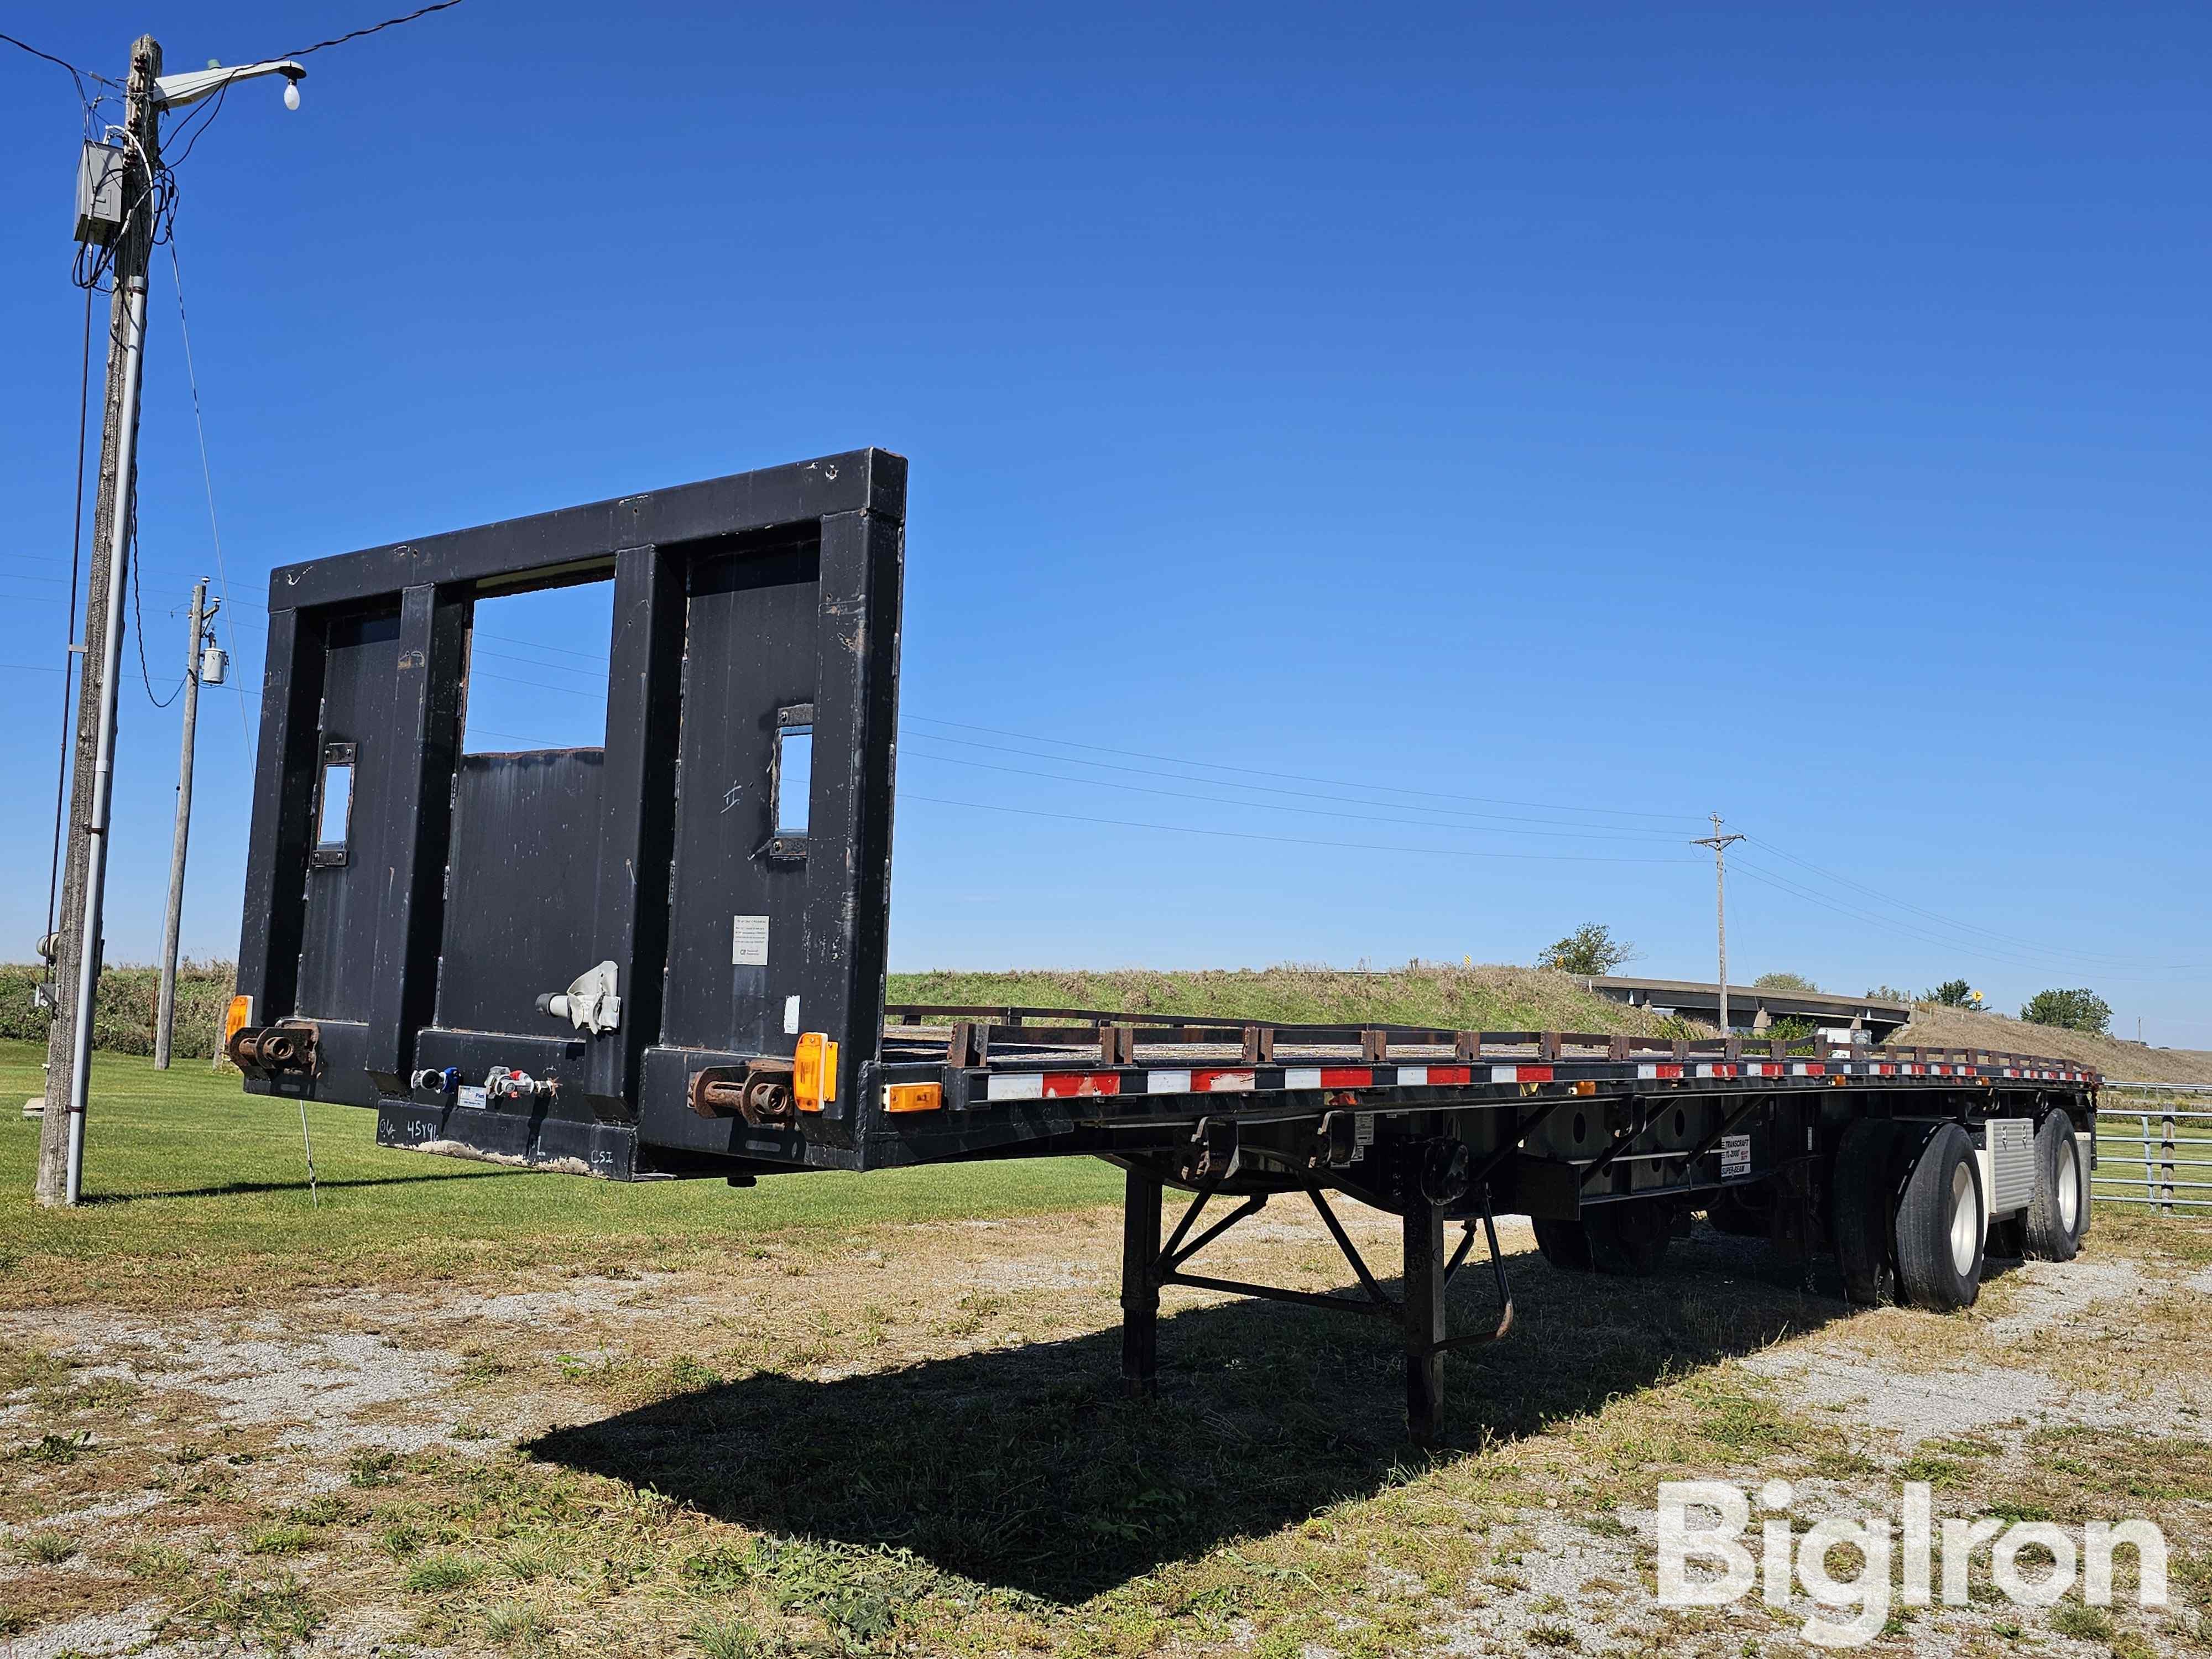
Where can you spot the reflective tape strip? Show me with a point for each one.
(1409, 1075)
(1447, 1073)
(1346, 1077)
(1808, 1068)
(1302, 1077)
(1167, 1083)
(1219, 1083)
(1016, 1085)
(1063, 1085)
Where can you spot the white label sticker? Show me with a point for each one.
(1363, 1128)
(472, 1094)
(790, 1017)
(1735, 1156)
(749, 942)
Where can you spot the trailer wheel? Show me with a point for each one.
(1565, 1245)
(2059, 1213)
(1939, 1224)
(1629, 1240)
(1859, 1189)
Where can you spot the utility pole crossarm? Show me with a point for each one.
(1720, 844)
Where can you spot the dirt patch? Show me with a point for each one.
(2044, 1296)
(331, 1390)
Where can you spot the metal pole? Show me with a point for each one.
(103, 765)
(1719, 843)
(77, 967)
(165, 1017)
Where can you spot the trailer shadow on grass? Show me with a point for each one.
(1026, 1468)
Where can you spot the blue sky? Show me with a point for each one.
(1507, 434)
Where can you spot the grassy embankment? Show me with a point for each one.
(1487, 998)
(2134, 1062)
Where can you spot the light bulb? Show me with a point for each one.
(291, 94)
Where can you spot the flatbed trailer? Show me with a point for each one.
(653, 960)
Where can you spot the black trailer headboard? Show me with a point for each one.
(557, 955)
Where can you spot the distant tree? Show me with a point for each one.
(2071, 1011)
(1954, 994)
(1887, 993)
(1783, 982)
(1590, 949)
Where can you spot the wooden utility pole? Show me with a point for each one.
(1719, 843)
(165, 1016)
(77, 942)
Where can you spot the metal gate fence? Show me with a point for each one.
(2153, 1142)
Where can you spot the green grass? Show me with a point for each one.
(191, 1182)
(1470, 998)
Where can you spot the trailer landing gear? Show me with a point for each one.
(1418, 1310)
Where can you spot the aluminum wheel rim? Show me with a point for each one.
(2069, 1185)
(1966, 1220)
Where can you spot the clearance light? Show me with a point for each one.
(914, 1098)
(237, 1018)
(814, 1072)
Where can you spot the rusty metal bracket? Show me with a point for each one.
(969, 1045)
(1214, 1154)
(759, 1091)
(291, 1048)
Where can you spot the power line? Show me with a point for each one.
(138, 610)
(1288, 841)
(1298, 777)
(1783, 884)
(389, 22)
(2088, 957)
(207, 479)
(80, 76)
(76, 549)
(1265, 805)
(1625, 832)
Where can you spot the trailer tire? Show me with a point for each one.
(1628, 1240)
(1942, 1216)
(1564, 1244)
(1860, 1189)
(2059, 1213)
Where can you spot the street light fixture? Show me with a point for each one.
(173, 92)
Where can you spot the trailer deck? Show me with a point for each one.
(663, 957)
